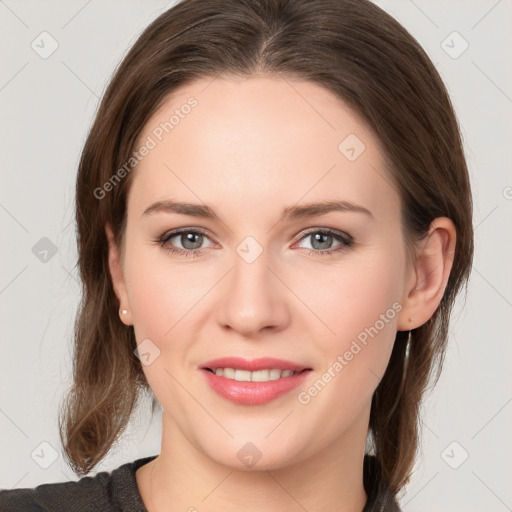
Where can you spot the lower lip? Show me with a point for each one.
(254, 393)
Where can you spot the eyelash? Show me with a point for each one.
(346, 240)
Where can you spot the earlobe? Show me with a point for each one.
(429, 275)
(117, 277)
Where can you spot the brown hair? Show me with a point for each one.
(350, 47)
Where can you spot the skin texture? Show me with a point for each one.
(249, 149)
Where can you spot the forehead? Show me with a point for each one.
(247, 140)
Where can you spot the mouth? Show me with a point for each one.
(253, 382)
(264, 375)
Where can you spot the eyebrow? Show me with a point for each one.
(291, 212)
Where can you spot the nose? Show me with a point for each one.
(253, 298)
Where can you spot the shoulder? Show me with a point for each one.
(84, 495)
(114, 491)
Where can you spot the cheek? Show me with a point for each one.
(162, 298)
(162, 295)
(358, 303)
(351, 297)
(361, 308)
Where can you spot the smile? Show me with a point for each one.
(256, 376)
(254, 382)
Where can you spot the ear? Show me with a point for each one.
(117, 277)
(428, 276)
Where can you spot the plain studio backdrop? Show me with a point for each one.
(57, 57)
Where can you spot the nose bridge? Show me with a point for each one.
(253, 297)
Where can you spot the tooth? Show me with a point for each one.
(274, 374)
(256, 376)
(243, 375)
(229, 373)
(260, 376)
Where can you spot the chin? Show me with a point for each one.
(260, 454)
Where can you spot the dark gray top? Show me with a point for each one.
(117, 491)
(114, 491)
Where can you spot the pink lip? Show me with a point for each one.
(262, 363)
(253, 393)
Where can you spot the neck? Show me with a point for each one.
(183, 478)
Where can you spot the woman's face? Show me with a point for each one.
(258, 272)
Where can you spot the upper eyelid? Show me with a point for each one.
(171, 234)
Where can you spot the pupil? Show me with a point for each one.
(188, 240)
(317, 237)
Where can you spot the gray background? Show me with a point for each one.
(46, 107)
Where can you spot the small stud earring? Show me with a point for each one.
(124, 311)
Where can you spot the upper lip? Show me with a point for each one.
(261, 363)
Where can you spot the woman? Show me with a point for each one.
(274, 220)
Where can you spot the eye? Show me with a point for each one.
(326, 242)
(190, 240)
